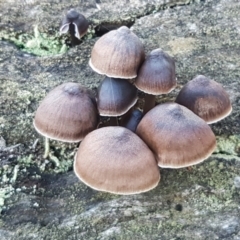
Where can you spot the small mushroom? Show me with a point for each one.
(68, 113)
(115, 97)
(115, 160)
(206, 98)
(177, 136)
(75, 23)
(118, 54)
(156, 76)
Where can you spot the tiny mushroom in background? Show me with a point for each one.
(206, 98)
(74, 23)
(177, 136)
(68, 113)
(156, 76)
(115, 160)
(118, 54)
(115, 97)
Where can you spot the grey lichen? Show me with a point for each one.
(229, 145)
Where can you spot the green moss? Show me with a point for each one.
(39, 44)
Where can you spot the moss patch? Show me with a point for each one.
(39, 44)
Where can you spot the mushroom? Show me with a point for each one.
(115, 97)
(206, 98)
(75, 23)
(156, 76)
(177, 136)
(115, 160)
(117, 54)
(68, 113)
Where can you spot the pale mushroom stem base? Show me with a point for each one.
(46, 148)
(149, 103)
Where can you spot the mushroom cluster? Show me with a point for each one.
(124, 158)
(118, 54)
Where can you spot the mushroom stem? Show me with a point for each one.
(149, 103)
(117, 120)
(113, 121)
(74, 41)
(132, 119)
(125, 117)
(189, 168)
(46, 148)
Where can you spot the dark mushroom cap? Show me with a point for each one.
(78, 20)
(177, 136)
(114, 159)
(157, 73)
(67, 113)
(115, 96)
(118, 54)
(206, 98)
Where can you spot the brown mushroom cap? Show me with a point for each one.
(115, 97)
(177, 136)
(117, 54)
(114, 159)
(67, 113)
(206, 98)
(157, 73)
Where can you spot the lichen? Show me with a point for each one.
(229, 145)
(5, 193)
(8, 176)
